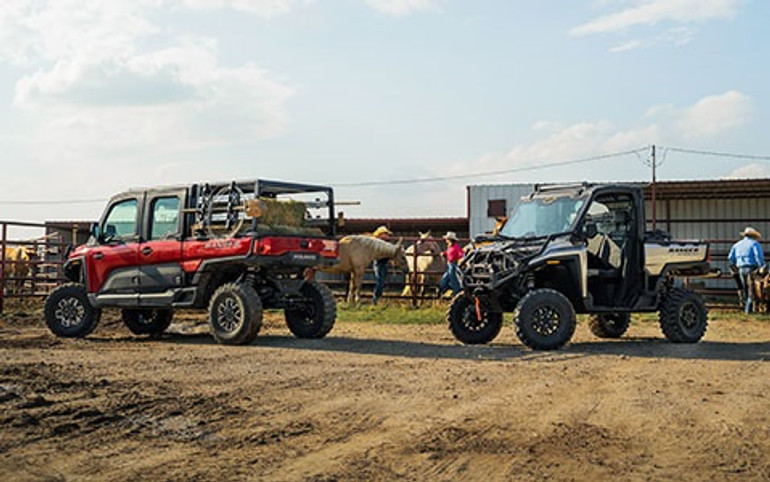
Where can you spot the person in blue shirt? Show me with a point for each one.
(746, 256)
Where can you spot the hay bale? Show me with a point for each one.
(283, 213)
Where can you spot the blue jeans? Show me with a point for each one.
(744, 273)
(449, 280)
(380, 267)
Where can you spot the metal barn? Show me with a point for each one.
(715, 211)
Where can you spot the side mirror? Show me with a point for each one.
(96, 232)
(110, 231)
(590, 230)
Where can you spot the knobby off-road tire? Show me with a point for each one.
(465, 325)
(316, 317)
(544, 319)
(147, 322)
(235, 314)
(609, 325)
(68, 312)
(683, 316)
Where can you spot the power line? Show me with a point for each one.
(490, 173)
(718, 154)
(664, 150)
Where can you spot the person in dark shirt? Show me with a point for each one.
(380, 266)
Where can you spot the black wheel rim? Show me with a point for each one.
(471, 321)
(146, 318)
(229, 314)
(545, 320)
(613, 322)
(70, 312)
(689, 316)
(306, 312)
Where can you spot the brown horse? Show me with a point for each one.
(18, 265)
(425, 263)
(357, 253)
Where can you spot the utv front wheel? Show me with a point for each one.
(235, 314)
(544, 319)
(683, 316)
(466, 324)
(609, 325)
(147, 322)
(68, 313)
(314, 315)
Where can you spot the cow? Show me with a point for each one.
(18, 265)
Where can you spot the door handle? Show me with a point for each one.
(147, 251)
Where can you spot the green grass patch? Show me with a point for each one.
(393, 314)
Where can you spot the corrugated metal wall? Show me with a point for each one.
(478, 197)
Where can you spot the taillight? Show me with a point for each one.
(264, 246)
(278, 246)
(330, 249)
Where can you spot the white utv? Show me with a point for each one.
(571, 249)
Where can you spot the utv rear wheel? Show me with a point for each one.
(314, 315)
(467, 326)
(544, 319)
(147, 322)
(609, 325)
(683, 316)
(68, 312)
(235, 314)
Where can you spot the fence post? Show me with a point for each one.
(2, 267)
(413, 276)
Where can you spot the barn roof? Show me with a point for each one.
(714, 189)
(406, 225)
(702, 189)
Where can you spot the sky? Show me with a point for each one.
(97, 97)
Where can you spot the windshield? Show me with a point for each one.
(542, 217)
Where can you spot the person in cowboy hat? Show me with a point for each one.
(746, 256)
(453, 254)
(380, 266)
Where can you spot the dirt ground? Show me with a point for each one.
(382, 402)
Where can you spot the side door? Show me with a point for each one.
(160, 253)
(112, 266)
(613, 250)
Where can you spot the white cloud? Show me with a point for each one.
(715, 114)
(750, 171)
(403, 7)
(93, 87)
(263, 8)
(652, 12)
(634, 44)
(665, 124)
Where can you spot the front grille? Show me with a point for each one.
(485, 268)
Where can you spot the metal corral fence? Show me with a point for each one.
(32, 256)
(35, 277)
(415, 287)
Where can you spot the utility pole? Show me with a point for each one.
(654, 202)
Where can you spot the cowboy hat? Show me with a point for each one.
(382, 230)
(451, 235)
(751, 232)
